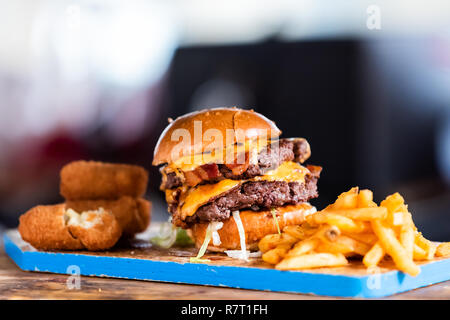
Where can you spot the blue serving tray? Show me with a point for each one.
(155, 265)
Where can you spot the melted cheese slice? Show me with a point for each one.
(203, 193)
(227, 154)
(288, 171)
(200, 195)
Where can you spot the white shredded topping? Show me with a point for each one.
(290, 215)
(204, 246)
(215, 235)
(166, 236)
(237, 219)
(237, 254)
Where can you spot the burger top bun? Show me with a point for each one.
(251, 125)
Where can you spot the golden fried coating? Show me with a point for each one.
(96, 230)
(44, 228)
(145, 216)
(56, 228)
(90, 180)
(133, 215)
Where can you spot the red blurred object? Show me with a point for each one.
(31, 170)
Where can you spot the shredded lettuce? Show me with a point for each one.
(240, 227)
(215, 235)
(183, 239)
(274, 215)
(203, 248)
(170, 235)
(166, 237)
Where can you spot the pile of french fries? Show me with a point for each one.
(353, 226)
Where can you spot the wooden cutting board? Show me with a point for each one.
(139, 260)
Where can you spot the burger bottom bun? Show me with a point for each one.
(257, 224)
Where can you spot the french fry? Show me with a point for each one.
(327, 233)
(288, 239)
(419, 253)
(295, 231)
(304, 246)
(393, 202)
(299, 232)
(365, 199)
(344, 244)
(343, 223)
(432, 251)
(347, 200)
(396, 219)
(312, 260)
(407, 239)
(427, 245)
(359, 247)
(271, 241)
(374, 256)
(335, 247)
(393, 247)
(364, 214)
(421, 241)
(443, 250)
(361, 227)
(274, 256)
(367, 238)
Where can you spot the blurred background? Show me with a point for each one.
(366, 82)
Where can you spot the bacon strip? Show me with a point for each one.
(238, 169)
(204, 172)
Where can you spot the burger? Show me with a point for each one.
(230, 179)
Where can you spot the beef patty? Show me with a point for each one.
(296, 149)
(255, 195)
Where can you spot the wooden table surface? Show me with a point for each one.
(18, 284)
